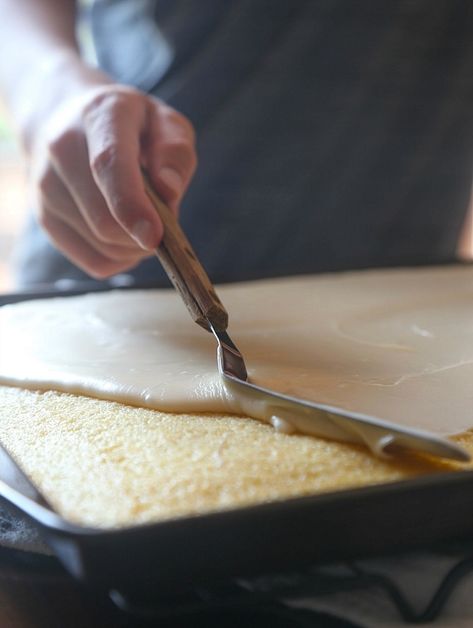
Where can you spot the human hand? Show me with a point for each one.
(85, 167)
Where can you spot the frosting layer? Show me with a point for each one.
(397, 344)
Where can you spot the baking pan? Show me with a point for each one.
(181, 555)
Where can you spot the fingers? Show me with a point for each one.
(92, 191)
(170, 153)
(80, 252)
(60, 217)
(71, 161)
(114, 127)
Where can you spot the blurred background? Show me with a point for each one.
(12, 196)
(13, 202)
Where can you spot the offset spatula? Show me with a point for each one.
(190, 279)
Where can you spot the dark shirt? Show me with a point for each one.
(332, 134)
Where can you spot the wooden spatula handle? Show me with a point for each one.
(184, 269)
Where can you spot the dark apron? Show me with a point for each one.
(332, 134)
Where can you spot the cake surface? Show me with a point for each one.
(105, 464)
(145, 429)
(394, 344)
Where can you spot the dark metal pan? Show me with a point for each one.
(178, 555)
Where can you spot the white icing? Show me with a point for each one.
(394, 344)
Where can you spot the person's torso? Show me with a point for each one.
(331, 134)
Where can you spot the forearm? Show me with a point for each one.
(41, 58)
(86, 139)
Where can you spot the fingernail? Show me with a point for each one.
(143, 233)
(172, 179)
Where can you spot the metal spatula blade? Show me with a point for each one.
(317, 419)
(190, 279)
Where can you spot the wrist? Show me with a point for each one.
(58, 79)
